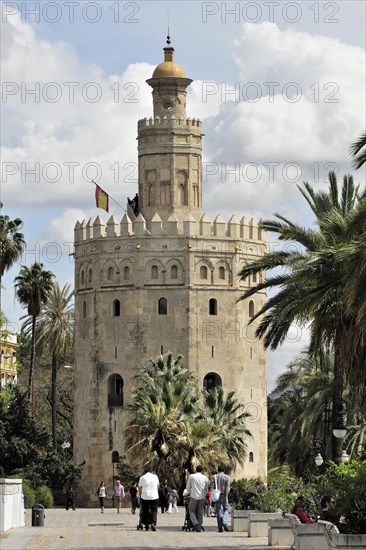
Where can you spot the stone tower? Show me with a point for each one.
(166, 280)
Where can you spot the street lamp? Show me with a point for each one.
(318, 459)
(344, 456)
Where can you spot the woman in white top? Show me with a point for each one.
(102, 493)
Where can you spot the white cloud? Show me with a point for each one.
(241, 137)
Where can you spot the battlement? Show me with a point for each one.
(169, 121)
(233, 229)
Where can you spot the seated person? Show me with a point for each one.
(329, 514)
(299, 511)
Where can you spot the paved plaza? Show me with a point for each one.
(83, 529)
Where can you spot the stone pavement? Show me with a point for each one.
(70, 530)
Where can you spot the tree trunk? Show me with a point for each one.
(54, 400)
(31, 364)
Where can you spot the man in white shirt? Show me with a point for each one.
(149, 494)
(197, 487)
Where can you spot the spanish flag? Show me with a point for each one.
(101, 198)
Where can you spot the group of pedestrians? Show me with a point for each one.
(148, 494)
(197, 488)
(118, 495)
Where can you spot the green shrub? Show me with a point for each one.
(44, 496)
(347, 482)
(279, 495)
(29, 493)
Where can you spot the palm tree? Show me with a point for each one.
(54, 333)
(174, 426)
(165, 396)
(33, 286)
(358, 151)
(228, 418)
(296, 414)
(312, 286)
(11, 244)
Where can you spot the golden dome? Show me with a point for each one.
(169, 68)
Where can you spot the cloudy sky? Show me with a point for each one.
(279, 86)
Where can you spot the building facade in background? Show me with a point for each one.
(8, 361)
(163, 279)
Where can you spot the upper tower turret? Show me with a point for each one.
(170, 148)
(169, 83)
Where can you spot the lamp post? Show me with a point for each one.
(334, 412)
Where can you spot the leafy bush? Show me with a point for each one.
(279, 495)
(243, 491)
(29, 493)
(44, 496)
(347, 482)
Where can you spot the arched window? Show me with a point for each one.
(211, 381)
(110, 274)
(82, 277)
(251, 308)
(84, 310)
(212, 306)
(163, 306)
(115, 457)
(254, 277)
(203, 272)
(154, 272)
(174, 272)
(115, 391)
(90, 276)
(116, 308)
(221, 272)
(126, 273)
(251, 457)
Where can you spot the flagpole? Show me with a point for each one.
(112, 199)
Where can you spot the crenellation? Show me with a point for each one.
(173, 225)
(112, 227)
(89, 229)
(169, 121)
(205, 226)
(98, 228)
(140, 226)
(79, 231)
(233, 229)
(126, 226)
(189, 226)
(219, 228)
(156, 225)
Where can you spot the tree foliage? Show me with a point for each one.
(174, 426)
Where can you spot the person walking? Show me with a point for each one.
(149, 494)
(118, 494)
(102, 494)
(197, 487)
(133, 496)
(172, 500)
(70, 498)
(221, 481)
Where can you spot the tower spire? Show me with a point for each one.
(168, 35)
